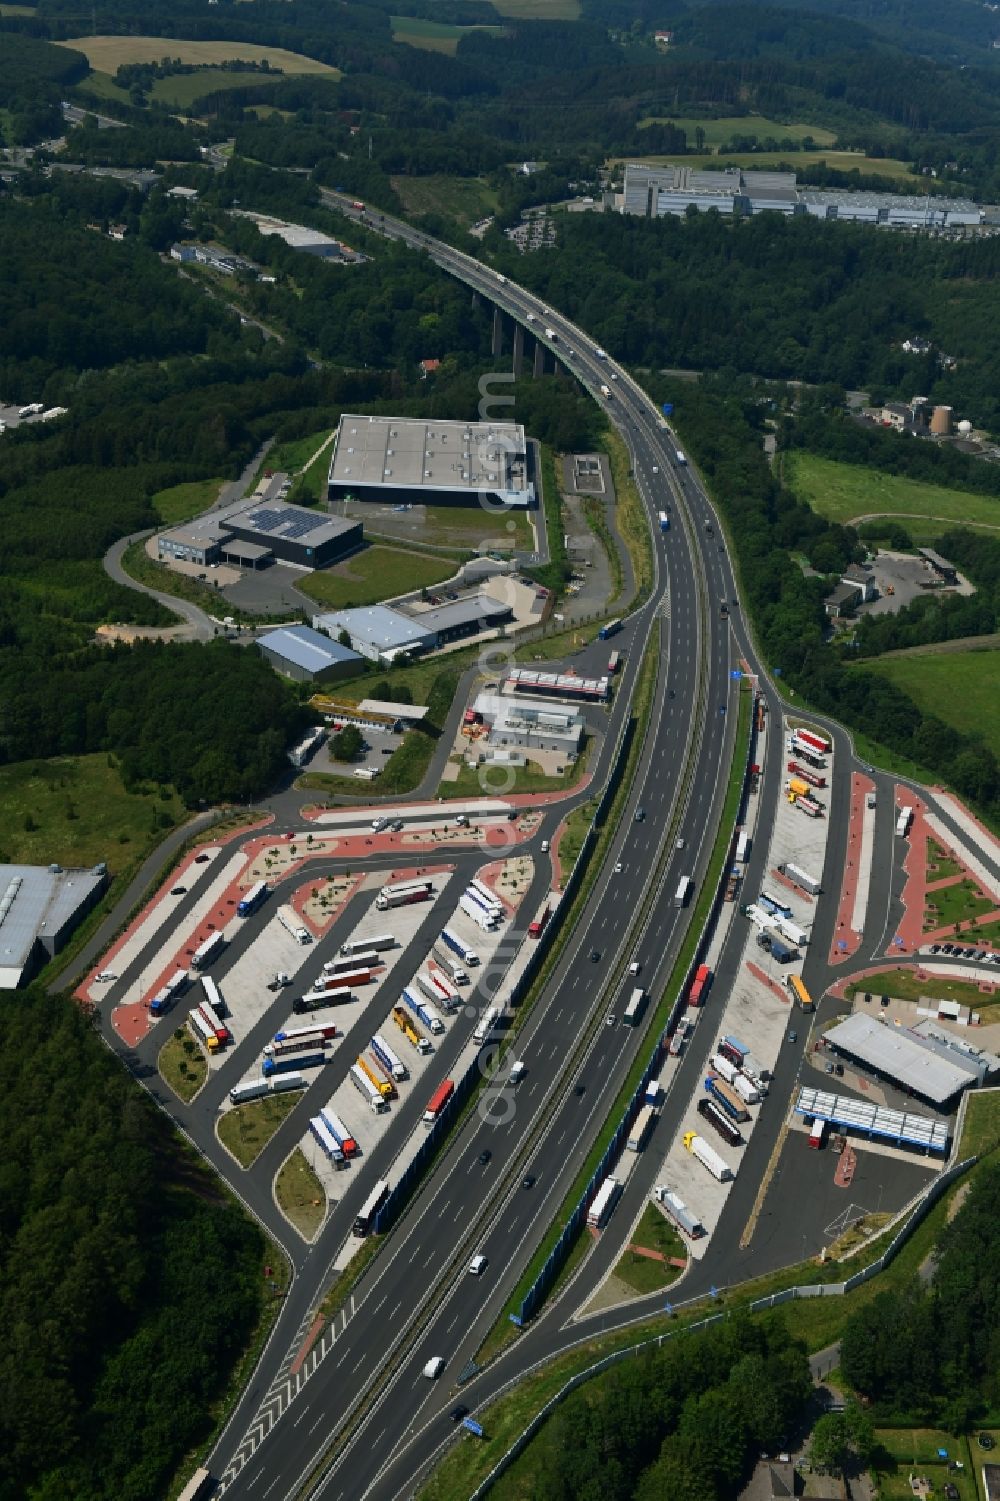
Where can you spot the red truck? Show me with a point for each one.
(537, 928)
(438, 1101)
(699, 985)
(812, 777)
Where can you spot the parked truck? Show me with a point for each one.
(388, 1058)
(285, 1064)
(355, 960)
(209, 951)
(808, 806)
(792, 931)
(412, 1034)
(291, 1045)
(748, 1092)
(339, 1132)
(459, 946)
(403, 894)
(357, 946)
(641, 1128)
(327, 1141)
(699, 985)
(678, 1211)
(368, 1090)
(821, 744)
(292, 923)
(903, 821)
(716, 1117)
(380, 1074)
(732, 882)
(422, 1010)
(708, 1157)
(175, 986)
(438, 1101)
(478, 913)
(254, 898)
(814, 778)
(798, 787)
(203, 1029)
(318, 1000)
(537, 928)
(726, 1096)
(755, 1070)
(775, 945)
(802, 878)
(724, 1066)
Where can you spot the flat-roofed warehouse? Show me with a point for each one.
(912, 1063)
(257, 532)
(405, 460)
(305, 656)
(39, 908)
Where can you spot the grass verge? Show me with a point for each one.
(645, 1274)
(182, 1065)
(246, 1131)
(372, 575)
(906, 985)
(499, 1335)
(555, 573)
(181, 502)
(137, 563)
(571, 843)
(300, 1195)
(633, 523)
(529, 778)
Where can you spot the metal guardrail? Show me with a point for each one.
(814, 1290)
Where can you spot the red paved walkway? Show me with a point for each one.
(846, 941)
(772, 985)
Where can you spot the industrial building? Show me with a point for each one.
(902, 1128)
(674, 188)
(945, 571)
(525, 724)
(39, 908)
(919, 1064)
(299, 236)
(303, 655)
(406, 461)
(382, 633)
(251, 534)
(376, 715)
(559, 685)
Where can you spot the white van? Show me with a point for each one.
(434, 1367)
(476, 1267)
(517, 1071)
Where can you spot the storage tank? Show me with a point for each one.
(941, 421)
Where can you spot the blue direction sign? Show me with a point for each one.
(668, 408)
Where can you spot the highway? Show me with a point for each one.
(418, 1301)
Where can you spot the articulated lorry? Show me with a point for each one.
(678, 1211)
(723, 1094)
(255, 1089)
(424, 1011)
(282, 1065)
(813, 778)
(339, 1132)
(404, 894)
(438, 1101)
(388, 1058)
(318, 1000)
(412, 1034)
(368, 1090)
(708, 1157)
(292, 923)
(802, 878)
(459, 946)
(716, 1117)
(379, 1074)
(699, 986)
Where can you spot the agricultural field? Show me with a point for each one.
(75, 810)
(464, 199)
(375, 574)
(717, 132)
(433, 36)
(106, 54)
(852, 493)
(539, 10)
(181, 502)
(184, 88)
(839, 161)
(960, 687)
(17, 10)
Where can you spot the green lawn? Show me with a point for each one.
(850, 492)
(940, 864)
(182, 1064)
(247, 1130)
(290, 457)
(571, 843)
(958, 903)
(375, 573)
(433, 36)
(641, 1273)
(717, 132)
(905, 1451)
(903, 985)
(969, 705)
(75, 811)
(528, 778)
(465, 199)
(181, 502)
(839, 161)
(300, 1195)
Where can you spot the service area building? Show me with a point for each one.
(306, 656)
(524, 724)
(39, 908)
(921, 1065)
(379, 633)
(251, 534)
(406, 461)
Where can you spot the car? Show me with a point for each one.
(980, 954)
(387, 750)
(640, 815)
(477, 1266)
(635, 967)
(397, 826)
(451, 594)
(838, 1069)
(486, 1157)
(946, 948)
(656, 468)
(829, 1068)
(722, 708)
(679, 845)
(201, 859)
(595, 956)
(434, 1367)
(951, 1491)
(105, 976)
(462, 820)
(868, 996)
(884, 1001)
(459, 1412)
(528, 1181)
(970, 953)
(610, 1019)
(545, 846)
(671, 693)
(178, 890)
(793, 1037)
(618, 867)
(580, 1089)
(935, 948)
(986, 1441)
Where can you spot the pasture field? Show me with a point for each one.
(464, 199)
(432, 36)
(962, 688)
(539, 10)
(851, 492)
(717, 132)
(106, 54)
